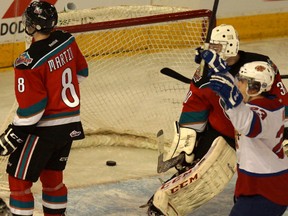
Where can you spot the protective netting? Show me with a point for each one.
(126, 100)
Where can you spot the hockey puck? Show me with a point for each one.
(110, 163)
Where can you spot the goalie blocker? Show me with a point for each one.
(186, 192)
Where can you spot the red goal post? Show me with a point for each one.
(126, 100)
(168, 17)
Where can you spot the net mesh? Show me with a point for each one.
(126, 100)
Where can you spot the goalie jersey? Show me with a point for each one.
(47, 77)
(262, 164)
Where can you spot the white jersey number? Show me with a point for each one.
(68, 86)
(21, 86)
(282, 88)
(278, 149)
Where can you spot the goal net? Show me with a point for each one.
(126, 100)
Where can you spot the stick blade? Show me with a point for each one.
(160, 133)
(164, 166)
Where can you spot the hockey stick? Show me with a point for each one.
(171, 73)
(164, 166)
(174, 74)
(212, 23)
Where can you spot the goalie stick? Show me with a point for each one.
(212, 23)
(162, 165)
(174, 74)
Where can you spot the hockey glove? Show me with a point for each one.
(4, 209)
(10, 140)
(198, 57)
(226, 89)
(215, 62)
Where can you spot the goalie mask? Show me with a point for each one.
(260, 76)
(227, 36)
(39, 16)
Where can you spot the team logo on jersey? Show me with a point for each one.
(63, 159)
(24, 58)
(197, 75)
(75, 133)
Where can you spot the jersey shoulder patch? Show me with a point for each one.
(24, 59)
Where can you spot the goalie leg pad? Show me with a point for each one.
(186, 192)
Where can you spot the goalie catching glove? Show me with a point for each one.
(11, 139)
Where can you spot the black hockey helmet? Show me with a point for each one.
(39, 16)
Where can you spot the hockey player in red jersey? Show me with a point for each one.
(258, 118)
(202, 110)
(203, 116)
(47, 77)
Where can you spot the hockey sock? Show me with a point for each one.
(54, 193)
(21, 198)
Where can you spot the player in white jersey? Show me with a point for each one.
(258, 119)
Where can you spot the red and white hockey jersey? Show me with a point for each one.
(262, 164)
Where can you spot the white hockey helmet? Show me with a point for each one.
(227, 36)
(260, 76)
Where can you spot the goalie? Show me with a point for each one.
(203, 124)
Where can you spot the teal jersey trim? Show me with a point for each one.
(83, 72)
(193, 117)
(32, 110)
(60, 115)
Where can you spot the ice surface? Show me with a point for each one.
(96, 189)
